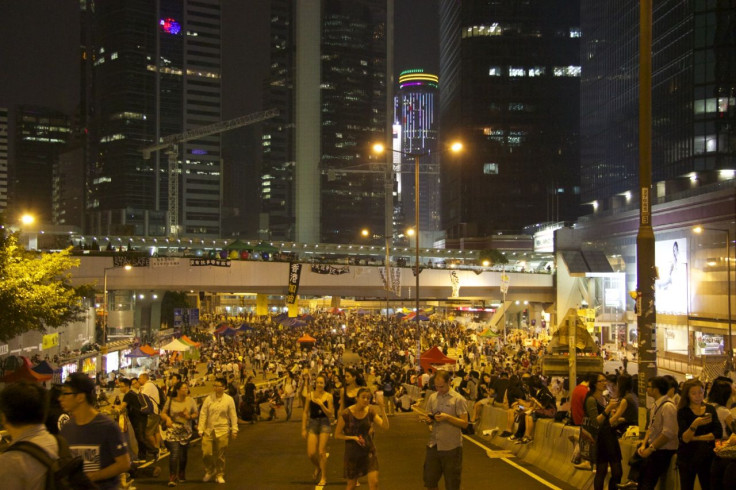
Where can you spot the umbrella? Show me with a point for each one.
(44, 367)
(25, 373)
(176, 345)
(222, 327)
(189, 341)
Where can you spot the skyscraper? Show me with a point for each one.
(415, 122)
(351, 115)
(510, 76)
(693, 98)
(3, 159)
(156, 72)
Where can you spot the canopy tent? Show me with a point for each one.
(488, 333)
(24, 372)
(335, 311)
(227, 332)
(307, 318)
(306, 339)
(280, 317)
(239, 245)
(434, 356)
(176, 345)
(293, 322)
(412, 315)
(400, 315)
(245, 328)
(44, 367)
(149, 350)
(222, 327)
(137, 352)
(189, 341)
(265, 247)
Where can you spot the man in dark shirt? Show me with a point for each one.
(499, 387)
(93, 436)
(131, 404)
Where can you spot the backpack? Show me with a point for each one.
(66, 472)
(146, 404)
(161, 398)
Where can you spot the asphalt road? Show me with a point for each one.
(272, 456)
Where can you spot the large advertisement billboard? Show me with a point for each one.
(671, 288)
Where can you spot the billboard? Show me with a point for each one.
(670, 294)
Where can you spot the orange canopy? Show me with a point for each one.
(434, 356)
(149, 350)
(306, 339)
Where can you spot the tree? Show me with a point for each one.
(493, 256)
(35, 289)
(171, 301)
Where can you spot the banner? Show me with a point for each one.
(504, 283)
(293, 309)
(455, 282)
(395, 281)
(261, 305)
(209, 262)
(132, 260)
(50, 340)
(329, 269)
(165, 262)
(295, 273)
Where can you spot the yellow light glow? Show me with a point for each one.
(410, 232)
(127, 267)
(698, 229)
(364, 232)
(378, 148)
(486, 263)
(456, 147)
(27, 219)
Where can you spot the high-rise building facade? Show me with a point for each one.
(156, 72)
(416, 126)
(510, 75)
(352, 112)
(693, 98)
(4, 159)
(37, 138)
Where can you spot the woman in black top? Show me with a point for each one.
(698, 430)
(608, 450)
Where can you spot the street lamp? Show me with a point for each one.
(103, 348)
(378, 148)
(699, 230)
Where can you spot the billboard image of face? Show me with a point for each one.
(670, 257)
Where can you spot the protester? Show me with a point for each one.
(627, 413)
(218, 423)
(22, 413)
(153, 420)
(447, 414)
(354, 426)
(93, 436)
(608, 451)
(699, 428)
(316, 427)
(177, 416)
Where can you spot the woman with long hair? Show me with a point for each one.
(627, 413)
(354, 427)
(608, 450)
(316, 427)
(699, 428)
(177, 416)
(351, 386)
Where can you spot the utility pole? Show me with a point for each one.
(645, 269)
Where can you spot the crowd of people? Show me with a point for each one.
(266, 373)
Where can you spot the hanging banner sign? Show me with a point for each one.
(329, 269)
(49, 341)
(209, 263)
(295, 273)
(504, 283)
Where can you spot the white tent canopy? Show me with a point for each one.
(176, 345)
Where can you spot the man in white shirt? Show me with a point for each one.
(218, 421)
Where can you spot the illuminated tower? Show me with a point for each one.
(156, 70)
(415, 119)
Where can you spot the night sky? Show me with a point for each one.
(39, 40)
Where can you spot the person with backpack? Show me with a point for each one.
(152, 391)
(95, 437)
(178, 415)
(22, 415)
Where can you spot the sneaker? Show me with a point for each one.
(182, 478)
(514, 438)
(172, 481)
(207, 477)
(220, 479)
(526, 440)
(584, 465)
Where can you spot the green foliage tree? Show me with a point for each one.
(35, 289)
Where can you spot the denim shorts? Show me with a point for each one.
(319, 426)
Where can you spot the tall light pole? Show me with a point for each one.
(700, 229)
(103, 347)
(455, 147)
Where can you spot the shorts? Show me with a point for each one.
(439, 463)
(152, 424)
(319, 426)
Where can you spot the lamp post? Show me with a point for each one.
(103, 347)
(455, 147)
(699, 230)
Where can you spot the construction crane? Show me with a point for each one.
(171, 145)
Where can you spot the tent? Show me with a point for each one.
(336, 311)
(306, 339)
(222, 327)
(176, 345)
(434, 356)
(488, 333)
(24, 372)
(44, 367)
(239, 245)
(293, 322)
(149, 350)
(137, 352)
(265, 247)
(227, 332)
(245, 328)
(412, 315)
(189, 341)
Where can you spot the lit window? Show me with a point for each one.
(494, 71)
(567, 71)
(536, 71)
(575, 32)
(490, 168)
(517, 72)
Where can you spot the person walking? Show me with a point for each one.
(316, 427)
(177, 416)
(608, 451)
(218, 423)
(447, 414)
(289, 390)
(354, 426)
(699, 428)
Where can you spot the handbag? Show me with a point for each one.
(726, 452)
(588, 438)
